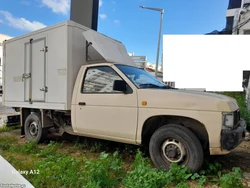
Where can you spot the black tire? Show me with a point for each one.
(33, 128)
(180, 145)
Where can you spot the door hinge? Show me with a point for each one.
(45, 89)
(26, 76)
(45, 49)
(30, 101)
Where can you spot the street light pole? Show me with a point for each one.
(158, 49)
(159, 38)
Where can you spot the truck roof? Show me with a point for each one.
(67, 23)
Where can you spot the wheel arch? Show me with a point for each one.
(155, 122)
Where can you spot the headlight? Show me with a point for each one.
(228, 119)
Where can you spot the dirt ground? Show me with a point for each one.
(239, 157)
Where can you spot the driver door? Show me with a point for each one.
(101, 111)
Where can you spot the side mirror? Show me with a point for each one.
(120, 85)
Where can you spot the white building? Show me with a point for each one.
(141, 61)
(238, 15)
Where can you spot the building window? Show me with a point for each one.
(247, 32)
(171, 84)
(100, 80)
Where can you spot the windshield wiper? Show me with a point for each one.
(149, 85)
(167, 87)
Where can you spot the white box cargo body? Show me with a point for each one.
(40, 68)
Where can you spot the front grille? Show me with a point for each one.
(236, 117)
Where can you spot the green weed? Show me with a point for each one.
(51, 149)
(200, 178)
(6, 142)
(58, 171)
(107, 171)
(231, 179)
(4, 128)
(182, 185)
(27, 148)
(30, 147)
(143, 175)
(92, 144)
(210, 168)
(23, 163)
(97, 146)
(65, 171)
(179, 173)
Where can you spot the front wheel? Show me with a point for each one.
(33, 128)
(176, 144)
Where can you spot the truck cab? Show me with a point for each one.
(127, 104)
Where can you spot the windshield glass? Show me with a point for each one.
(140, 77)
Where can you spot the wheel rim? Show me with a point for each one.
(33, 129)
(173, 151)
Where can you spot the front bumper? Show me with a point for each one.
(230, 139)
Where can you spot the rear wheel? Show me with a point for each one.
(33, 128)
(176, 144)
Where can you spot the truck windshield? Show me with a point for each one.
(140, 77)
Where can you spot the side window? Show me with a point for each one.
(100, 80)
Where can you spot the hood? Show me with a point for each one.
(186, 100)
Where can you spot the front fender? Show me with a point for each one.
(211, 120)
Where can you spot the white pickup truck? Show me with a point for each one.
(75, 80)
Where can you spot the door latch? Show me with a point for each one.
(45, 89)
(26, 76)
(45, 49)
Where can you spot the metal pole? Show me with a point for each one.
(159, 45)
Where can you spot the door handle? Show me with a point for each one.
(45, 89)
(26, 76)
(82, 103)
(45, 49)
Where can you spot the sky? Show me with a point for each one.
(123, 20)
